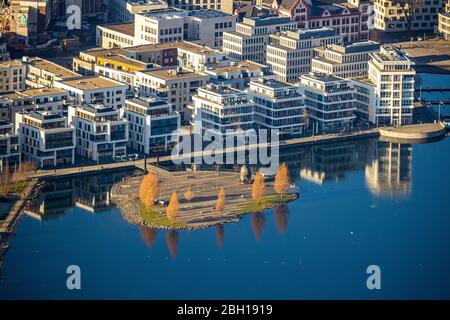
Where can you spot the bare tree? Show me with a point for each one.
(5, 181)
(408, 8)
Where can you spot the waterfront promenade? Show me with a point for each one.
(153, 160)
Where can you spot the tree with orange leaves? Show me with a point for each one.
(188, 195)
(148, 189)
(173, 208)
(282, 183)
(220, 205)
(258, 186)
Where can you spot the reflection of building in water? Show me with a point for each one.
(89, 192)
(332, 161)
(93, 192)
(389, 169)
(53, 200)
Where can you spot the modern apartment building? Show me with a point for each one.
(444, 20)
(151, 124)
(117, 35)
(237, 74)
(162, 54)
(329, 102)
(196, 5)
(46, 138)
(176, 85)
(198, 58)
(95, 90)
(44, 73)
(41, 99)
(101, 132)
(12, 75)
(121, 68)
(290, 53)
(9, 145)
(124, 10)
(391, 17)
(251, 38)
(389, 87)
(344, 60)
(278, 106)
(205, 27)
(220, 108)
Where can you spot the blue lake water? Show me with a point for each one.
(362, 203)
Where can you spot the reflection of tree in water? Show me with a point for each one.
(258, 222)
(172, 242)
(220, 235)
(281, 218)
(148, 234)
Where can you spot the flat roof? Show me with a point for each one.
(222, 90)
(238, 66)
(208, 13)
(321, 77)
(52, 68)
(172, 73)
(97, 108)
(92, 83)
(355, 47)
(127, 60)
(10, 63)
(272, 83)
(266, 21)
(44, 115)
(101, 52)
(43, 91)
(148, 102)
(125, 28)
(38, 92)
(197, 48)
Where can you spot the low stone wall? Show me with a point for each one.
(410, 132)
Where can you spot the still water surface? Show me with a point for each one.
(362, 203)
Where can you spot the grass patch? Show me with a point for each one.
(154, 216)
(266, 202)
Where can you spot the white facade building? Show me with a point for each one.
(101, 133)
(389, 87)
(46, 138)
(289, 54)
(344, 60)
(95, 90)
(279, 106)
(220, 108)
(329, 101)
(250, 40)
(151, 124)
(205, 27)
(124, 10)
(175, 85)
(12, 75)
